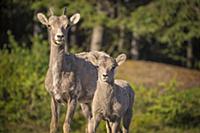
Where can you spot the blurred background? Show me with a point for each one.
(160, 37)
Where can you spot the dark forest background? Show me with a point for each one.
(158, 30)
(160, 37)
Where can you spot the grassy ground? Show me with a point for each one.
(151, 74)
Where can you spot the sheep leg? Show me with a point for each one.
(93, 123)
(115, 126)
(54, 115)
(108, 126)
(71, 106)
(119, 130)
(127, 120)
(86, 112)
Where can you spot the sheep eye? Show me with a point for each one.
(66, 26)
(97, 67)
(49, 26)
(113, 68)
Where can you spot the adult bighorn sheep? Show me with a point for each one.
(113, 99)
(70, 78)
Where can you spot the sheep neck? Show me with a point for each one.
(56, 56)
(105, 86)
(105, 93)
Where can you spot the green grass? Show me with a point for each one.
(152, 74)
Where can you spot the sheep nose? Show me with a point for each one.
(105, 75)
(60, 36)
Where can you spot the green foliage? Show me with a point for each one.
(22, 91)
(179, 108)
(171, 22)
(166, 109)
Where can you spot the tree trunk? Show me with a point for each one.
(97, 37)
(121, 39)
(72, 38)
(134, 47)
(36, 27)
(189, 54)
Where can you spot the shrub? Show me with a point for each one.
(166, 109)
(22, 93)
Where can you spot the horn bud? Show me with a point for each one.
(65, 11)
(51, 12)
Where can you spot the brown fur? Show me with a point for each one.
(70, 78)
(113, 99)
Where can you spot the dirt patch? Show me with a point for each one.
(151, 74)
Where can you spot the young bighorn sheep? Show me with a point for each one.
(70, 78)
(113, 99)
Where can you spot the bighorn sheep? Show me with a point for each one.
(113, 99)
(70, 78)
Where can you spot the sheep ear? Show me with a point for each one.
(93, 58)
(42, 18)
(120, 59)
(74, 19)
